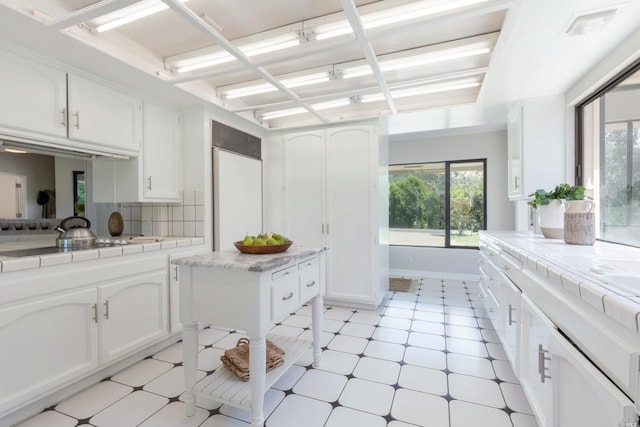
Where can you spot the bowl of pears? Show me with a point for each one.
(263, 243)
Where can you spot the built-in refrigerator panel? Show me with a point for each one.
(237, 197)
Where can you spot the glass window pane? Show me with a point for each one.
(466, 203)
(417, 204)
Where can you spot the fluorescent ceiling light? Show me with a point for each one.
(418, 60)
(283, 113)
(394, 15)
(309, 79)
(129, 14)
(424, 90)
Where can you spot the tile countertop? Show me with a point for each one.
(235, 260)
(606, 276)
(8, 264)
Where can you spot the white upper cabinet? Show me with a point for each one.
(34, 96)
(536, 145)
(329, 195)
(153, 176)
(104, 116)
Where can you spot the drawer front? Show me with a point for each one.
(285, 292)
(309, 279)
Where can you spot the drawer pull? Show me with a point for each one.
(313, 283)
(95, 312)
(511, 321)
(288, 297)
(106, 309)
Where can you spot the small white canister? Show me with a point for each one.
(580, 222)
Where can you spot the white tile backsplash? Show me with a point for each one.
(186, 219)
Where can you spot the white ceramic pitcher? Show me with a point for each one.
(580, 206)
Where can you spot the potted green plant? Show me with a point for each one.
(550, 207)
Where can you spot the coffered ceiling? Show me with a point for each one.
(291, 63)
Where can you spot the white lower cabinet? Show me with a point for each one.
(562, 384)
(134, 313)
(534, 361)
(46, 343)
(49, 342)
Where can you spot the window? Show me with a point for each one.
(608, 156)
(439, 204)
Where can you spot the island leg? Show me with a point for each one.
(190, 364)
(316, 318)
(257, 374)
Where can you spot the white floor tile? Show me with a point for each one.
(287, 331)
(423, 379)
(523, 420)
(329, 325)
(129, 411)
(229, 341)
(142, 372)
(338, 362)
(208, 336)
(470, 365)
(460, 311)
(90, 401)
(347, 417)
(366, 317)
(399, 424)
(338, 313)
(173, 415)
(385, 350)
(325, 337)
(321, 385)
(296, 411)
(461, 320)
(203, 402)
(272, 398)
(425, 357)
(515, 399)
(504, 372)
(463, 332)
(465, 414)
(427, 327)
(485, 323)
(476, 390)
(297, 321)
(171, 354)
(390, 335)
(209, 359)
(49, 419)
(434, 342)
(496, 351)
(398, 303)
(171, 383)
(348, 344)
(428, 316)
(223, 421)
(367, 396)
(380, 371)
(421, 409)
(291, 377)
(490, 335)
(357, 330)
(403, 313)
(469, 347)
(395, 323)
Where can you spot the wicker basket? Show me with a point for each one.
(236, 359)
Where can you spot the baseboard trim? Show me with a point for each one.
(395, 272)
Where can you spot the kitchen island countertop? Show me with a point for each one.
(235, 260)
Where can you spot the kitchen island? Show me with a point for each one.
(249, 293)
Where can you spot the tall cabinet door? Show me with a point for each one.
(350, 212)
(304, 190)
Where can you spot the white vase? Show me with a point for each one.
(551, 219)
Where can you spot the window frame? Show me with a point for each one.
(447, 201)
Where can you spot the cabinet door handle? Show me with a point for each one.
(288, 297)
(175, 273)
(313, 283)
(322, 228)
(542, 369)
(149, 186)
(327, 228)
(515, 181)
(505, 267)
(511, 321)
(64, 117)
(106, 309)
(77, 114)
(95, 312)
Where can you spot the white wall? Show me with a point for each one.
(40, 172)
(434, 147)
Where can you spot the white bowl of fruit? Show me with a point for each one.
(263, 244)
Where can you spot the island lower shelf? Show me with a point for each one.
(223, 386)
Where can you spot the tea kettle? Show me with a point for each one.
(75, 236)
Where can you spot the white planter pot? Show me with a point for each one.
(551, 219)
